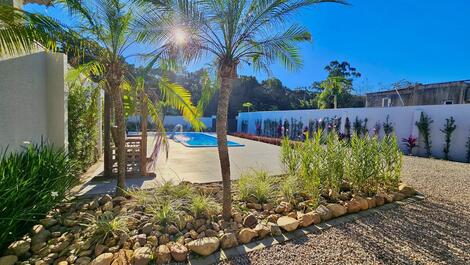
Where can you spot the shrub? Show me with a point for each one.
(388, 127)
(204, 205)
(310, 166)
(172, 191)
(289, 156)
(164, 211)
(363, 164)
(333, 166)
(82, 125)
(448, 130)
(256, 186)
(410, 143)
(32, 181)
(289, 187)
(391, 162)
(424, 127)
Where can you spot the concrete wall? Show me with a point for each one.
(402, 118)
(33, 100)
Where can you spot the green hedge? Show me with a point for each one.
(82, 124)
(32, 181)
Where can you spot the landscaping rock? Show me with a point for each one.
(123, 257)
(100, 249)
(246, 235)
(388, 198)
(19, 247)
(105, 198)
(8, 260)
(268, 206)
(307, 219)
(147, 228)
(273, 218)
(371, 202)
(204, 246)
(379, 200)
(37, 229)
(256, 206)
(163, 255)
(103, 259)
(179, 252)
(172, 230)
(398, 196)
(108, 206)
(364, 205)
(406, 190)
(287, 223)
(237, 217)
(48, 222)
(83, 261)
(262, 230)
(325, 213)
(274, 229)
(142, 256)
(228, 240)
(353, 206)
(292, 215)
(250, 221)
(210, 233)
(337, 210)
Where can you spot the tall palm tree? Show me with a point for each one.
(235, 32)
(107, 31)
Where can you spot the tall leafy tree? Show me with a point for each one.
(237, 32)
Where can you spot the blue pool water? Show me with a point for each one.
(196, 139)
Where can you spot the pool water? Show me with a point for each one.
(196, 139)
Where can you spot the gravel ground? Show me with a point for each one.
(433, 231)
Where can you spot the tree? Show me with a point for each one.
(248, 105)
(108, 28)
(239, 32)
(338, 83)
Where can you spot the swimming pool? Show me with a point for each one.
(197, 139)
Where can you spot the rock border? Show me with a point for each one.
(224, 254)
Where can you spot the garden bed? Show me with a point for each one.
(129, 230)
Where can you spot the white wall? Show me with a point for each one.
(402, 118)
(33, 100)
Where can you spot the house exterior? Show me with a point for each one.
(456, 92)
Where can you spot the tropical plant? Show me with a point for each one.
(388, 126)
(364, 164)
(289, 156)
(410, 143)
(204, 206)
(311, 166)
(256, 186)
(391, 159)
(424, 127)
(448, 130)
(32, 181)
(237, 32)
(333, 157)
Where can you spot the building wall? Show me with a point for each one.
(432, 94)
(33, 100)
(402, 118)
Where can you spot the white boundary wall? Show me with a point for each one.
(402, 118)
(174, 120)
(33, 100)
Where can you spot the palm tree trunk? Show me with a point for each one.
(226, 74)
(108, 167)
(120, 138)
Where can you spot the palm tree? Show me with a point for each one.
(237, 32)
(107, 32)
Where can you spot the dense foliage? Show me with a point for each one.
(448, 130)
(424, 127)
(367, 164)
(31, 183)
(83, 124)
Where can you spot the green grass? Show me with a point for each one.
(256, 185)
(204, 205)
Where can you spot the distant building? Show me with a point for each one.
(457, 92)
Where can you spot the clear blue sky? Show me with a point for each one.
(417, 40)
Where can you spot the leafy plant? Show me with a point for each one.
(204, 205)
(164, 211)
(289, 187)
(387, 126)
(311, 166)
(424, 127)
(333, 165)
(410, 143)
(32, 181)
(107, 225)
(391, 160)
(360, 127)
(289, 156)
(448, 130)
(363, 164)
(256, 186)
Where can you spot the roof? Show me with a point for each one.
(467, 81)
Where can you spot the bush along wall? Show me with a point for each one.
(82, 125)
(32, 181)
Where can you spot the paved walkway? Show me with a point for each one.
(197, 165)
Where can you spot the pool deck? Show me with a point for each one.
(193, 164)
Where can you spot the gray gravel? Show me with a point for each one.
(433, 231)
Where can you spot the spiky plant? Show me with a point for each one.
(424, 127)
(204, 206)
